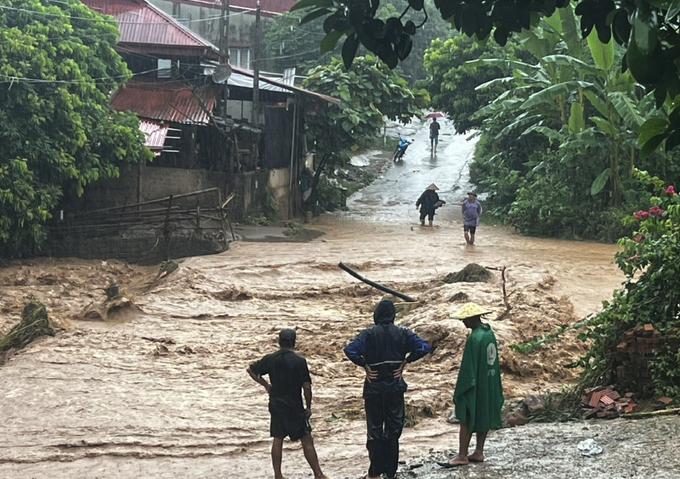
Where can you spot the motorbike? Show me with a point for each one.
(401, 148)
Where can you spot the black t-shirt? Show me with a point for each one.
(287, 371)
(434, 128)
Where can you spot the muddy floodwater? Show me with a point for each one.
(159, 388)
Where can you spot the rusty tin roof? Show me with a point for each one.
(141, 23)
(168, 101)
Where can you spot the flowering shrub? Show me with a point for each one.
(650, 259)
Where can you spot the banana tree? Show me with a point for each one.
(573, 99)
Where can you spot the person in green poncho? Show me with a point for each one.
(478, 396)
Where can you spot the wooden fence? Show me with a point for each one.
(171, 227)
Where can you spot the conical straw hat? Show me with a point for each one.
(469, 310)
(432, 187)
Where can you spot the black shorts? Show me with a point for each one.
(428, 214)
(288, 421)
(471, 229)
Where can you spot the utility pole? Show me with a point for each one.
(256, 67)
(256, 82)
(227, 158)
(224, 53)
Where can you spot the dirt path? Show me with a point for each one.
(160, 390)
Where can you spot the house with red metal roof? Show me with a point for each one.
(176, 91)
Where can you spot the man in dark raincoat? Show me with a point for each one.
(383, 350)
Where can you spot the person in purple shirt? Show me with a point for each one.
(472, 210)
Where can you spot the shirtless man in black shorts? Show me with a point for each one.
(288, 374)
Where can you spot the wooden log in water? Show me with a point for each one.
(379, 286)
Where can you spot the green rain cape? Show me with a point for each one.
(479, 395)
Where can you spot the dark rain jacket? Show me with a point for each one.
(383, 347)
(427, 201)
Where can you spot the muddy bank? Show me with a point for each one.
(630, 448)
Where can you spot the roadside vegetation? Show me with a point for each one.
(57, 132)
(370, 93)
(558, 122)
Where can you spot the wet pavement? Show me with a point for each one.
(160, 389)
(393, 197)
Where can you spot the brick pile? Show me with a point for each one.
(605, 402)
(636, 349)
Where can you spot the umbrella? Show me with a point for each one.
(435, 114)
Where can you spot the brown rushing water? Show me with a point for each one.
(104, 399)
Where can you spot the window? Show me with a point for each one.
(164, 68)
(240, 57)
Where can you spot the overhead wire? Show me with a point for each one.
(127, 50)
(114, 21)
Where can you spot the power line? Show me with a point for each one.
(106, 20)
(100, 81)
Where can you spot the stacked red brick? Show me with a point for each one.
(636, 349)
(607, 403)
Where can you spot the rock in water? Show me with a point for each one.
(472, 273)
(33, 324)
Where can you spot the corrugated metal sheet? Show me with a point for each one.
(155, 133)
(141, 22)
(168, 101)
(245, 78)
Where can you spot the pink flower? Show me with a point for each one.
(655, 210)
(644, 214)
(670, 191)
(638, 215)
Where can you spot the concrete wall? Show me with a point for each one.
(279, 186)
(161, 182)
(252, 189)
(155, 183)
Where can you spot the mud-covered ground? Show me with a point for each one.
(159, 388)
(630, 449)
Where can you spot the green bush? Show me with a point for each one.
(331, 195)
(651, 295)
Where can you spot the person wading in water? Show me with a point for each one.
(472, 210)
(478, 396)
(427, 204)
(382, 351)
(289, 374)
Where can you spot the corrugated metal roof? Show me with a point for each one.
(140, 22)
(155, 133)
(245, 78)
(168, 101)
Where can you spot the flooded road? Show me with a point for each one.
(160, 389)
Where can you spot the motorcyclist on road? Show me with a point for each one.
(401, 147)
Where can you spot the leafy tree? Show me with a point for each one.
(453, 83)
(563, 128)
(57, 133)
(369, 92)
(288, 43)
(647, 28)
